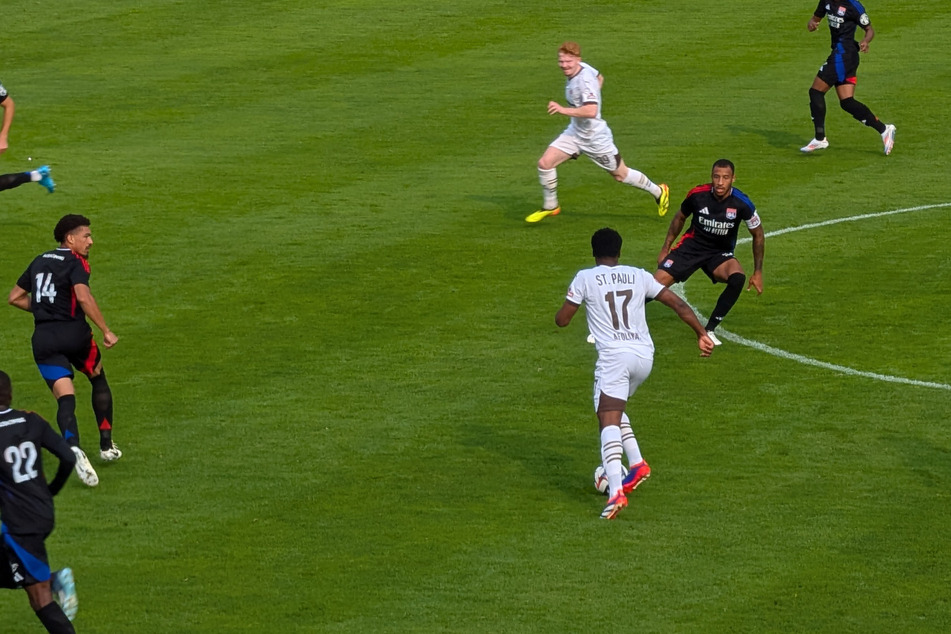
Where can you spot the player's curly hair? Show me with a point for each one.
(570, 48)
(606, 243)
(67, 224)
(6, 390)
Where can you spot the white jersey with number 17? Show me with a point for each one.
(614, 298)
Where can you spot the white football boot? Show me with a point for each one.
(84, 469)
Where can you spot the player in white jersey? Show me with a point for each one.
(587, 134)
(614, 296)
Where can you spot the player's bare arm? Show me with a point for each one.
(759, 248)
(587, 111)
(91, 308)
(19, 298)
(565, 313)
(676, 226)
(9, 107)
(600, 80)
(869, 34)
(686, 314)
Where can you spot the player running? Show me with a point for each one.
(840, 71)
(55, 289)
(717, 209)
(26, 512)
(587, 134)
(615, 295)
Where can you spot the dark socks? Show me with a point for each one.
(66, 419)
(817, 106)
(102, 407)
(862, 114)
(54, 619)
(734, 286)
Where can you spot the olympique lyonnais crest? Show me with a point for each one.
(668, 264)
(841, 10)
(730, 213)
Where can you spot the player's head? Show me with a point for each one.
(72, 231)
(606, 243)
(6, 390)
(569, 58)
(722, 177)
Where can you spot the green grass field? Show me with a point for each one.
(342, 398)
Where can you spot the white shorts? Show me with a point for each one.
(618, 373)
(602, 151)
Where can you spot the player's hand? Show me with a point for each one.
(109, 339)
(813, 24)
(705, 344)
(756, 281)
(863, 46)
(554, 107)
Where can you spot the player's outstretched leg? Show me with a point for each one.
(64, 588)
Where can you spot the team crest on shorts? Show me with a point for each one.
(730, 213)
(668, 263)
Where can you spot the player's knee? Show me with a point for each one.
(736, 280)
(816, 97)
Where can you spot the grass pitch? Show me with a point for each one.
(342, 399)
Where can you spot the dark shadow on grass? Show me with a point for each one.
(775, 138)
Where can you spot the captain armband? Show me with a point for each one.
(753, 222)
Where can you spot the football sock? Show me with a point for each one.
(66, 419)
(54, 619)
(611, 456)
(631, 448)
(817, 106)
(549, 181)
(734, 286)
(102, 408)
(9, 181)
(861, 113)
(640, 180)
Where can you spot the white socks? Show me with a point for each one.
(631, 448)
(640, 180)
(611, 457)
(549, 181)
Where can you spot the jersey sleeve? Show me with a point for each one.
(820, 11)
(689, 205)
(25, 281)
(575, 293)
(652, 287)
(591, 90)
(78, 271)
(861, 17)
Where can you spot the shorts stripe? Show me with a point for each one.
(54, 372)
(36, 568)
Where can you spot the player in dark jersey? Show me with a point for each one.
(26, 512)
(840, 70)
(55, 288)
(717, 209)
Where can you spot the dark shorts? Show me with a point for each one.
(23, 560)
(841, 67)
(684, 260)
(60, 346)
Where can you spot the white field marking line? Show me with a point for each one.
(729, 336)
